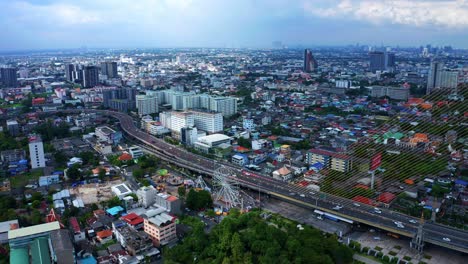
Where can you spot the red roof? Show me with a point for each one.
(172, 198)
(104, 233)
(386, 197)
(74, 224)
(125, 156)
(362, 199)
(362, 186)
(132, 219)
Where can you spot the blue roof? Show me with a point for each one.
(461, 182)
(318, 165)
(88, 260)
(114, 210)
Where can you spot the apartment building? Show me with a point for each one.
(160, 226)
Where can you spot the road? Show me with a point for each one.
(433, 233)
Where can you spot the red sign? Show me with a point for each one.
(376, 161)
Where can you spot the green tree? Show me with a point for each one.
(74, 173)
(237, 249)
(181, 191)
(102, 174)
(114, 201)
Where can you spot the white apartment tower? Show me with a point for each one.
(147, 104)
(210, 122)
(36, 152)
(225, 105)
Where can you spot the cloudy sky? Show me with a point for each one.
(44, 24)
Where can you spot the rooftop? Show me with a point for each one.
(32, 230)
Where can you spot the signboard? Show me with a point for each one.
(376, 161)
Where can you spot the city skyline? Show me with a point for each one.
(57, 24)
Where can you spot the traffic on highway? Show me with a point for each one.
(378, 217)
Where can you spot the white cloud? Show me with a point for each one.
(444, 13)
(59, 14)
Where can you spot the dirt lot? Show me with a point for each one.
(95, 193)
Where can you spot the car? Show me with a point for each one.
(400, 226)
(302, 195)
(319, 217)
(413, 221)
(397, 223)
(446, 239)
(338, 207)
(292, 194)
(377, 211)
(376, 238)
(356, 204)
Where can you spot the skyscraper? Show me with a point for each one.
(381, 61)
(8, 77)
(109, 68)
(90, 76)
(70, 72)
(377, 61)
(310, 64)
(441, 78)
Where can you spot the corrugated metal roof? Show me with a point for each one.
(31, 230)
(40, 251)
(19, 255)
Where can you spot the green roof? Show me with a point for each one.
(19, 255)
(396, 135)
(40, 251)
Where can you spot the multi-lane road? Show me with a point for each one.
(386, 220)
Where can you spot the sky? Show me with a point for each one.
(52, 24)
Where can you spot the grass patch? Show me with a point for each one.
(23, 179)
(378, 248)
(392, 253)
(407, 258)
(397, 247)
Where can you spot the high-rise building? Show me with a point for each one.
(434, 71)
(397, 93)
(310, 64)
(389, 60)
(13, 127)
(380, 61)
(377, 61)
(109, 68)
(90, 76)
(440, 78)
(8, 77)
(70, 72)
(36, 152)
(210, 122)
(225, 105)
(147, 104)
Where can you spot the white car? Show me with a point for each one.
(446, 239)
(413, 221)
(377, 211)
(338, 207)
(356, 204)
(302, 195)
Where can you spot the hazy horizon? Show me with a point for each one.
(124, 24)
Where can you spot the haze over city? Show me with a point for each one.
(52, 24)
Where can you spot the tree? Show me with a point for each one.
(237, 249)
(102, 174)
(74, 173)
(60, 158)
(114, 201)
(181, 191)
(138, 173)
(36, 217)
(36, 204)
(244, 142)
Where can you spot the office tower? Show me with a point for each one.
(389, 60)
(8, 77)
(70, 72)
(90, 76)
(109, 68)
(36, 152)
(146, 104)
(377, 61)
(188, 135)
(434, 70)
(310, 64)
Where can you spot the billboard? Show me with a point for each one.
(376, 161)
